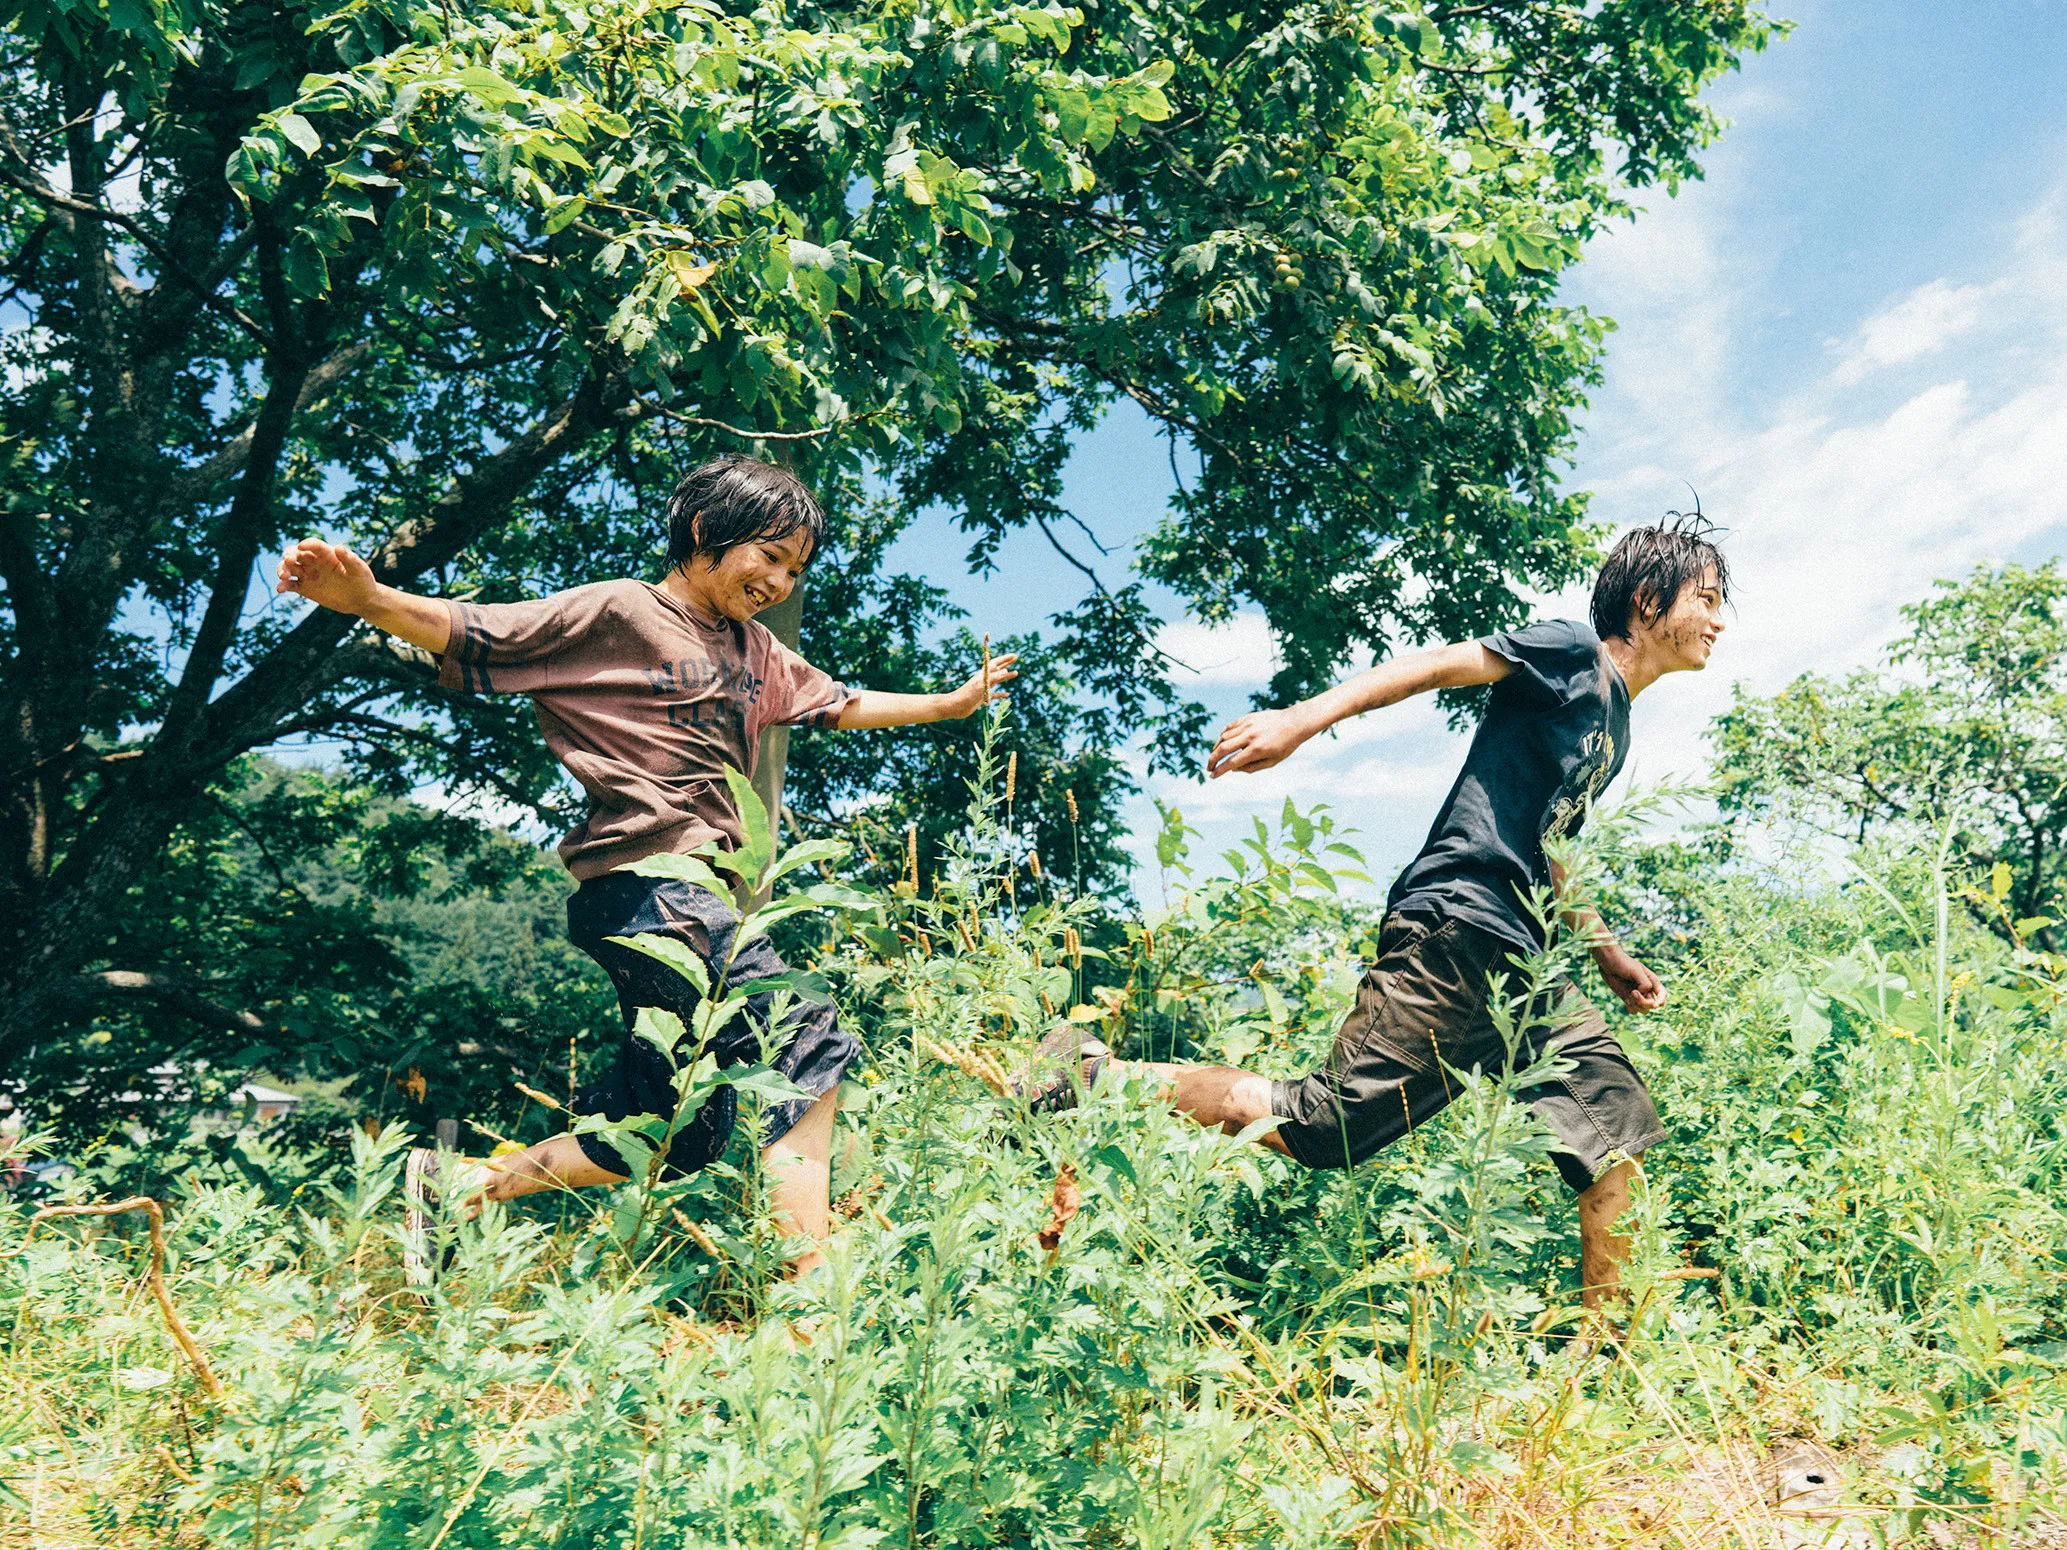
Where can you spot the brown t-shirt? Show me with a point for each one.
(644, 703)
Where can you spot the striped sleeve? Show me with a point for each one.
(510, 648)
(799, 695)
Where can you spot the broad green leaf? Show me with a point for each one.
(661, 1029)
(757, 844)
(306, 270)
(490, 88)
(808, 853)
(672, 951)
(565, 214)
(688, 868)
(1073, 116)
(301, 132)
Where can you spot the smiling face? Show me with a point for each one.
(746, 578)
(1683, 636)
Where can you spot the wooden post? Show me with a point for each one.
(785, 620)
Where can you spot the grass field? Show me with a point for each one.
(1108, 1329)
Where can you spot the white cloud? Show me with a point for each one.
(1937, 443)
(1922, 323)
(1842, 509)
(1241, 651)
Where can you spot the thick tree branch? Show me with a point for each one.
(182, 995)
(236, 550)
(357, 726)
(44, 194)
(191, 484)
(472, 504)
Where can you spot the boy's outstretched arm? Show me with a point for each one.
(873, 708)
(336, 578)
(1634, 985)
(1265, 737)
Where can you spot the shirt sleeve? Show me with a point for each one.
(1555, 660)
(798, 694)
(509, 648)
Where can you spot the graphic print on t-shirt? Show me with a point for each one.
(707, 696)
(1575, 798)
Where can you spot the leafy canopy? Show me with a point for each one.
(469, 288)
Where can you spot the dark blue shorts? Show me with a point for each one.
(815, 1050)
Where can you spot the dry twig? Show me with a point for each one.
(156, 1278)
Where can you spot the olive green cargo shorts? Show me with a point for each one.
(1423, 1007)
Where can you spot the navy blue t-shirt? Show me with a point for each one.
(1555, 732)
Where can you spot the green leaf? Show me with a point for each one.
(824, 896)
(1073, 116)
(306, 270)
(662, 1030)
(757, 845)
(560, 151)
(1118, 1161)
(1274, 1004)
(809, 853)
(1808, 1014)
(565, 214)
(689, 868)
(672, 951)
(492, 90)
(301, 132)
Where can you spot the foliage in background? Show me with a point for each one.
(467, 285)
(389, 954)
(1968, 725)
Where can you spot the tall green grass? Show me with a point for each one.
(1853, 1236)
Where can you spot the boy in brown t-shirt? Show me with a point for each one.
(646, 694)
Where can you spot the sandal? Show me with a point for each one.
(423, 1209)
(1065, 1066)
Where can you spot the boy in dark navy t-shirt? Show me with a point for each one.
(1555, 732)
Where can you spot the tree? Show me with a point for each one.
(1968, 726)
(467, 288)
(356, 937)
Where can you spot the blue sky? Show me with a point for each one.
(1851, 337)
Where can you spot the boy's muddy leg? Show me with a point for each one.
(800, 1179)
(1602, 1250)
(1215, 1096)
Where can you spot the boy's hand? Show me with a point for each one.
(983, 686)
(1639, 989)
(1257, 741)
(329, 575)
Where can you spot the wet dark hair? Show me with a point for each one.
(1649, 566)
(736, 500)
